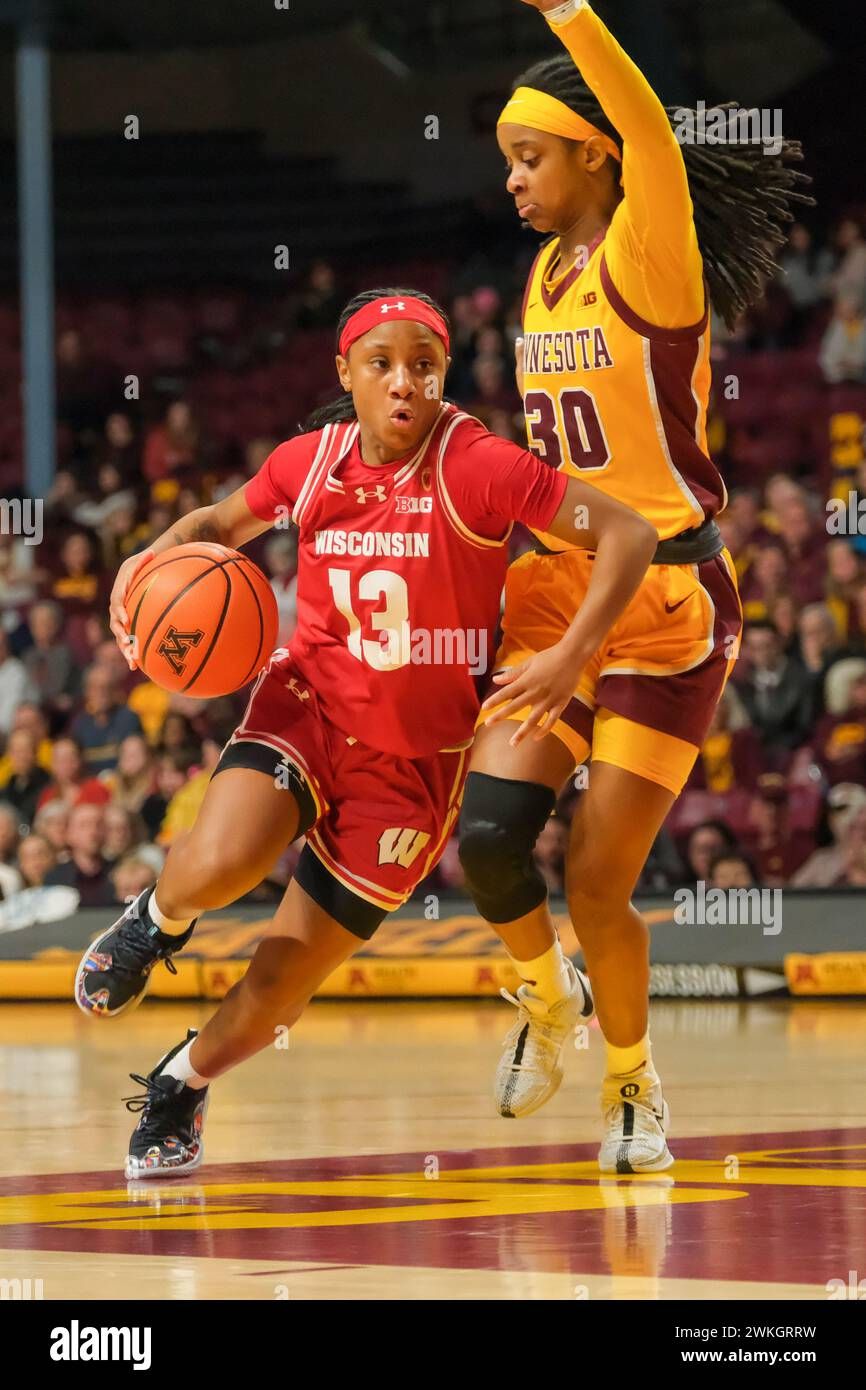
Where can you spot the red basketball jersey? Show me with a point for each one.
(400, 572)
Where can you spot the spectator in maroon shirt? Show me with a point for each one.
(804, 540)
(85, 870)
(173, 445)
(776, 849)
(840, 739)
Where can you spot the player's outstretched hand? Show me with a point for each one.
(546, 682)
(118, 616)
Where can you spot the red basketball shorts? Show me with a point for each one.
(378, 822)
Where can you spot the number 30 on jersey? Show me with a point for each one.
(574, 434)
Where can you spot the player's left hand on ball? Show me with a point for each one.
(545, 682)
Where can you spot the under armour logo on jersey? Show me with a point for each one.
(175, 647)
(296, 690)
(385, 307)
(399, 846)
(370, 494)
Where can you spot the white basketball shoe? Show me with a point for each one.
(530, 1068)
(636, 1119)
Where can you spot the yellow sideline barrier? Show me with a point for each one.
(832, 972)
(363, 977)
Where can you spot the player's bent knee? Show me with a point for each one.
(499, 825)
(595, 898)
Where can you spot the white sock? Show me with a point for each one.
(546, 975)
(169, 925)
(182, 1069)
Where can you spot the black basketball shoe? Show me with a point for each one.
(114, 971)
(168, 1138)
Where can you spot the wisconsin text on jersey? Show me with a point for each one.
(566, 350)
(413, 545)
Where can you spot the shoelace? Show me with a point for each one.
(134, 949)
(644, 1112)
(152, 1094)
(538, 1036)
(151, 1104)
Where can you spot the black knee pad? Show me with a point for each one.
(499, 825)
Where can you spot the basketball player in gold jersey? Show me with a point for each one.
(615, 380)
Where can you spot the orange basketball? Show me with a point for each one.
(204, 619)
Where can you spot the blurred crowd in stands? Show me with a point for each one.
(170, 401)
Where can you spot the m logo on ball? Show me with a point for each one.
(175, 647)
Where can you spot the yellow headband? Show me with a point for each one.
(539, 111)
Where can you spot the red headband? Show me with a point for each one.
(385, 310)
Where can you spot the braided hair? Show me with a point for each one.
(342, 408)
(741, 195)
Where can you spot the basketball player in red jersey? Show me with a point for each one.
(358, 735)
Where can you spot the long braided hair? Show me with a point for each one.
(342, 408)
(740, 194)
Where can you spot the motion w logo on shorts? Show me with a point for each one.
(398, 846)
(175, 647)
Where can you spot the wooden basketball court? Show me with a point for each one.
(366, 1161)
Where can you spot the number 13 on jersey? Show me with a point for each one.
(392, 649)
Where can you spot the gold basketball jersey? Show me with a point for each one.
(615, 400)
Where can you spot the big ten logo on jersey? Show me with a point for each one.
(401, 846)
(413, 504)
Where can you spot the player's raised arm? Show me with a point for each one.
(652, 233)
